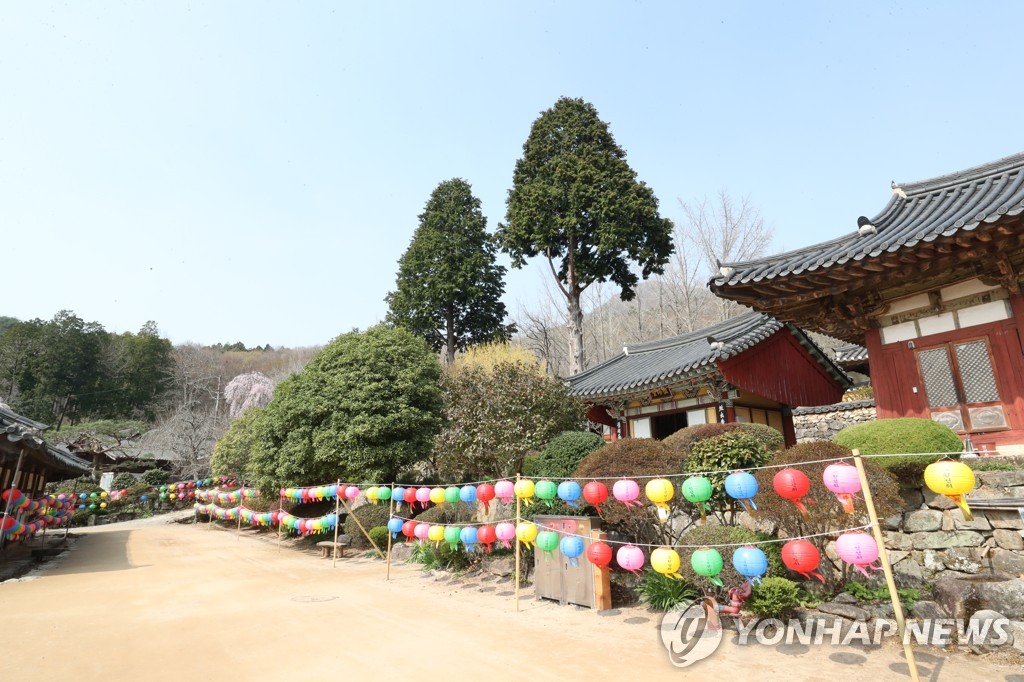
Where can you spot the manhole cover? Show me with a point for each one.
(312, 598)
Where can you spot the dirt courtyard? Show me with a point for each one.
(159, 601)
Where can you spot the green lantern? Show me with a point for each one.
(384, 493)
(697, 489)
(546, 491)
(547, 541)
(707, 562)
(451, 494)
(452, 534)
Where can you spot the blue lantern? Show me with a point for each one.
(143, 498)
(331, 520)
(742, 486)
(468, 495)
(398, 495)
(750, 562)
(571, 547)
(468, 534)
(569, 492)
(395, 526)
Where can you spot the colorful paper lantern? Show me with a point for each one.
(383, 493)
(398, 496)
(485, 493)
(371, 493)
(435, 534)
(697, 490)
(504, 491)
(467, 494)
(626, 491)
(595, 493)
(437, 496)
(571, 548)
(422, 532)
(547, 542)
(569, 492)
(599, 554)
(423, 496)
(793, 484)
(409, 496)
(451, 494)
(844, 481)
(452, 534)
(742, 486)
(526, 532)
(546, 491)
(707, 562)
(858, 549)
(660, 491)
(665, 560)
(801, 556)
(468, 536)
(505, 532)
(630, 558)
(952, 479)
(524, 490)
(409, 529)
(486, 536)
(750, 562)
(395, 526)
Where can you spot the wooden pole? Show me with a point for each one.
(10, 497)
(337, 521)
(362, 528)
(519, 503)
(280, 508)
(391, 513)
(876, 530)
(238, 536)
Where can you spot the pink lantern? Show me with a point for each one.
(630, 557)
(843, 480)
(626, 491)
(422, 531)
(505, 491)
(506, 533)
(423, 496)
(352, 492)
(859, 549)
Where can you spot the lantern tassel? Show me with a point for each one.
(808, 574)
(663, 512)
(487, 507)
(749, 506)
(802, 508)
(961, 501)
(846, 499)
(717, 581)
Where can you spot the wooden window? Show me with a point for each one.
(960, 385)
(742, 414)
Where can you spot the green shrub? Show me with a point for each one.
(825, 513)
(700, 536)
(631, 458)
(774, 598)
(905, 435)
(874, 594)
(441, 557)
(123, 480)
(731, 451)
(379, 536)
(662, 593)
(565, 451)
(684, 439)
(448, 514)
(770, 437)
(371, 516)
(154, 477)
(532, 465)
(981, 464)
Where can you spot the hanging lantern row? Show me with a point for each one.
(224, 498)
(288, 522)
(51, 510)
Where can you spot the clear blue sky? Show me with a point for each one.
(252, 171)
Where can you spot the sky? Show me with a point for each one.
(252, 171)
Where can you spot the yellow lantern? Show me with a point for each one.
(436, 533)
(524, 490)
(952, 479)
(371, 494)
(103, 505)
(527, 531)
(103, 495)
(660, 491)
(666, 562)
(437, 497)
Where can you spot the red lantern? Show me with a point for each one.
(802, 557)
(793, 484)
(409, 529)
(410, 496)
(486, 535)
(485, 493)
(599, 553)
(595, 493)
(9, 522)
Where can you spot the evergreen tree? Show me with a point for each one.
(448, 286)
(576, 201)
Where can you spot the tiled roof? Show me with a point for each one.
(917, 212)
(25, 432)
(838, 407)
(645, 366)
(851, 353)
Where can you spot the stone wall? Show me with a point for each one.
(932, 539)
(824, 422)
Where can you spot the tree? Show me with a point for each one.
(6, 323)
(366, 407)
(252, 389)
(448, 286)
(575, 199)
(232, 452)
(499, 404)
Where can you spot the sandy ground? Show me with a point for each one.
(157, 601)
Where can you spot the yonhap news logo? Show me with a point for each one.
(691, 632)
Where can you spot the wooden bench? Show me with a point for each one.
(327, 546)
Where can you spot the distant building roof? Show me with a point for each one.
(24, 432)
(851, 354)
(837, 407)
(646, 366)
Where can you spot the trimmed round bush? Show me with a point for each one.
(379, 535)
(563, 453)
(774, 598)
(123, 480)
(448, 514)
(371, 516)
(154, 477)
(727, 535)
(904, 435)
(731, 451)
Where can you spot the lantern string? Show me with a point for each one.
(461, 525)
